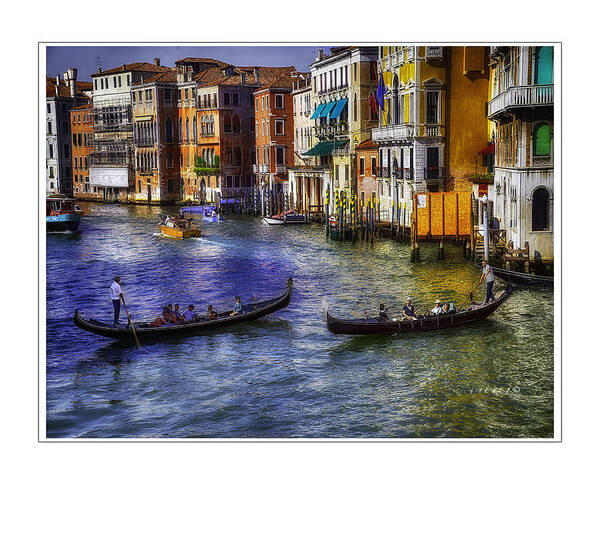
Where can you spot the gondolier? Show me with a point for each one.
(116, 294)
(488, 275)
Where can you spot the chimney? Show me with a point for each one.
(99, 69)
(256, 75)
(58, 79)
(70, 77)
(320, 57)
(157, 61)
(123, 66)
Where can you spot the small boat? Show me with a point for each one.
(290, 217)
(147, 333)
(211, 215)
(61, 214)
(78, 209)
(523, 278)
(374, 326)
(194, 209)
(178, 228)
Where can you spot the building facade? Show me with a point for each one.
(82, 145)
(521, 107)
(61, 97)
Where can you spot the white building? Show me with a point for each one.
(522, 108)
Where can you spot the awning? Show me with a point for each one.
(488, 150)
(324, 148)
(327, 109)
(317, 111)
(339, 107)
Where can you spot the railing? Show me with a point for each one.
(383, 172)
(522, 96)
(145, 142)
(433, 130)
(433, 173)
(109, 159)
(280, 168)
(496, 238)
(407, 173)
(398, 131)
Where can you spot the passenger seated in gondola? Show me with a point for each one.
(449, 308)
(210, 313)
(383, 314)
(238, 308)
(168, 315)
(179, 319)
(189, 316)
(437, 310)
(408, 311)
(161, 320)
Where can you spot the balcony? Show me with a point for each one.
(393, 133)
(145, 142)
(383, 172)
(280, 168)
(407, 173)
(433, 173)
(410, 54)
(433, 130)
(518, 97)
(260, 168)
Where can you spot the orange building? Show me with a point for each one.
(366, 161)
(274, 118)
(82, 145)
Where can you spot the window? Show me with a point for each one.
(236, 123)
(74, 140)
(237, 157)
(226, 98)
(542, 140)
(432, 108)
(51, 175)
(50, 151)
(361, 169)
(278, 101)
(128, 79)
(66, 151)
(337, 171)
(119, 80)
(280, 156)
(79, 142)
(279, 126)
(347, 172)
(170, 186)
(169, 130)
(544, 61)
(48, 108)
(49, 127)
(235, 99)
(227, 124)
(373, 165)
(262, 99)
(167, 95)
(540, 210)
(395, 101)
(354, 108)
(95, 84)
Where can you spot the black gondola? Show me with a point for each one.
(523, 278)
(147, 333)
(374, 326)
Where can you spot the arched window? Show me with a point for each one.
(236, 124)
(354, 109)
(169, 130)
(228, 156)
(540, 210)
(194, 128)
(204, 156)
(395, 101)
(212, 124)
(187, 129)
(544, 65)
(542, 140)
(227, 124)
(180, 130)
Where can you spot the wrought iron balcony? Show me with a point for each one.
(433, 173)
(522, 96)
(393, 132)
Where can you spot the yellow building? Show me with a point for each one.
(433, 124)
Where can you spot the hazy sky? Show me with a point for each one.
(87, 58)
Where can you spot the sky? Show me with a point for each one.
(87, 59)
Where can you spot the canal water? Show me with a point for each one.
(283, 376)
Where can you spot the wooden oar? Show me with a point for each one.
(469, 296)
(137, 341)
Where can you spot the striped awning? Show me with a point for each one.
(339, 107)
(318, 111)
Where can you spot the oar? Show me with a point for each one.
(469, 295)
(137, 341)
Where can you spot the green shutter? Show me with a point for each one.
(541, 140)
(544, 60)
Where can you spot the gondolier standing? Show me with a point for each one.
(488, 275)
(116, 294)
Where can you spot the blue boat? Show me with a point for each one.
(208, 212)
(61, 213)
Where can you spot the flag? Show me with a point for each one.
(381, 92)
(373, 103)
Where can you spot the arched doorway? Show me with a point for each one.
(540, 209)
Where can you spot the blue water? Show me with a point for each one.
(284, 375)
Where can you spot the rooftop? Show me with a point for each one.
(134, 67)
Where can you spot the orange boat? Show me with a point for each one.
(179, 228)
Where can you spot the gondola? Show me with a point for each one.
(374, 326)
(146, 333)
(523, 278)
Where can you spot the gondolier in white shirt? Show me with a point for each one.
(116, 294)
(488, 275)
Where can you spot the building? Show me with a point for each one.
(112, 162)
(274, 132)
(82, 145)
(155, 116)
(341, 85)
(521, 107)
(61, 97)
(366, 159)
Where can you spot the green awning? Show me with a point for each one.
(324, 148)
(317, 111)
(328, 107)
(339, 107)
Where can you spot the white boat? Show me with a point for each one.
(291, 217)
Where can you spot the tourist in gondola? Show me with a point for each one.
(383, 313)
(488, 275)
(408, 311)
(437, 309)
(210, 313)
(116, 295)
(160, 321)
(189, 315)
(179, 318)
(238, 308)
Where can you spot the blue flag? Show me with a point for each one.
(381, 92)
